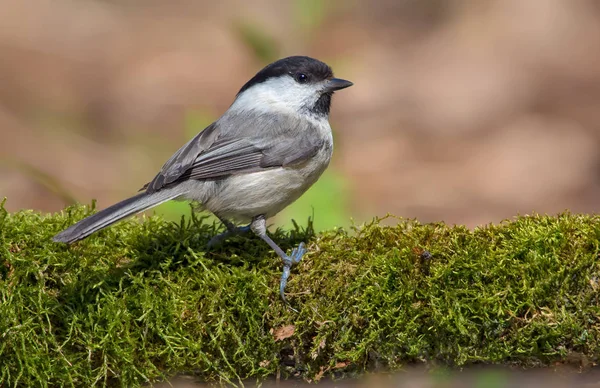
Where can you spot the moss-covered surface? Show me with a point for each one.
(143, 300)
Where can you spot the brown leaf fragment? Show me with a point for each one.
(284, 332)
(341, 365)
(320, 374)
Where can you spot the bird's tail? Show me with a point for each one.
(116, 212)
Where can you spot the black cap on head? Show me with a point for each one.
(303, 69)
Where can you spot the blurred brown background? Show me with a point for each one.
(462, 111)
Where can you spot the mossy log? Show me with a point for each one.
(144, 299)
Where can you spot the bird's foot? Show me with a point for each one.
(234, 231)
(288, 262)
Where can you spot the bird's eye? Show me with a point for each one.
(301, 78)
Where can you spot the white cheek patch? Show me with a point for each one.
(281, 93)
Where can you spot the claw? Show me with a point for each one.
(288, 262)
(297, 253)
(283, 282)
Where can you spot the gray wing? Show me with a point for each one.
(181, 160)
(213, 154)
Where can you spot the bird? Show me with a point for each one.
(269, 147)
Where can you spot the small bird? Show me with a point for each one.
(261, 155)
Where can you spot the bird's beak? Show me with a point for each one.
(334, 84)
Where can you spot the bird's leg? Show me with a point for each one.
(232, 230)
(259, 226)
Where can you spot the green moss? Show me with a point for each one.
(143, 300)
